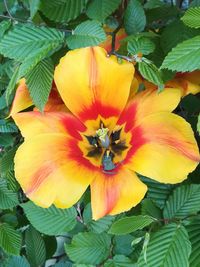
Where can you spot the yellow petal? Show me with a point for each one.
(188, 82)
(113, 194)
(46, 168)
(22, 99)
(149, 102)
(92, 84)
(170, 151)
(34, 123)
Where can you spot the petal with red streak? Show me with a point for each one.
(115, 193)
(169, 152)
(92, 83)
(35, 123)
(149, 102)
(50, 169)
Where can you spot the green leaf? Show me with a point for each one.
(8, 199)
(119, 261)
(17, 261)
(101, 9)
(123, 244)
(184, 57)
(12, 84)
(151, 73)
(4, 26)
(89, 248)
(149, 208)
(6, 161)
(35, 247)
(140, 45)
(168, 247)
(153, 4)
(158, 192)
(7, 127)
(62, 10)
(131, 224)
(59, 221)
(184, 201)
(88, 33)
(23, 41)
(39, 82)
(134, 17)
(6, 140)
(97, 226)
(194, 235)
(10, 239)
(34, 6)
(174, 33)
(192, 17)
(195, 3)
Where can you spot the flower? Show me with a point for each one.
(107, 44)
(187, 82)
(22, 100)
(104, 140)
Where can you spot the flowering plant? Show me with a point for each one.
(99, 135)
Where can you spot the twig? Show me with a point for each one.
(7, 10)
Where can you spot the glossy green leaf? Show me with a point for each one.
(192, 17)
(8, 199)
(169, 246)
(101, 9)
(10, 239)
(23, 41)
(35, 247)
(88, 33)
(184, 57)
(120, 261)
(59, 221)
(62, 11)
(184, 201)
(17, 261)
(140, 45)
(194, 235)
(89, 248)
(134, 17)
(130, 224)
(39, 82)
(150, 72)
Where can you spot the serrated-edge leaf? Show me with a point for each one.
(140, 45)
(170, 246)
(134, 17)
(194, 235)
(39, 82)
(101, 9)
(88, 248)
(10, 239)
(88, 33)
(4, 26)
(131, 224)
(17, 261)
(62, 11)
(35, 247)
(184, 57)
(191, 17)
(151, 73)
(59, 221)
(184, 201)
(8, 198)
(20, 42)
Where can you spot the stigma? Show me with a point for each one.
(102, 135)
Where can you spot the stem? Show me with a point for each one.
(7, 10)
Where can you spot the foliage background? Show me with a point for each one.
(162, 231)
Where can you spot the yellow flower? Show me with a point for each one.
(105, 139)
